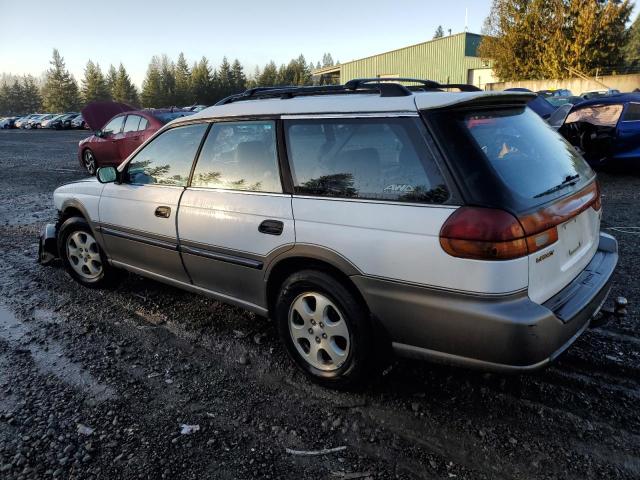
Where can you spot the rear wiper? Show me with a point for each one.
(569, 180)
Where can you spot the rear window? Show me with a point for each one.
(368, 158)
(511, 155)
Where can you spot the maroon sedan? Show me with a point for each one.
(121, 135)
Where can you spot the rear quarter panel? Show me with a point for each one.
(400, 242)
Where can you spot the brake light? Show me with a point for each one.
(483, 234)
(492, 234)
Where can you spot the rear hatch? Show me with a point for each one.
(504, 156)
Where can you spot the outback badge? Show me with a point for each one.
(544, 256)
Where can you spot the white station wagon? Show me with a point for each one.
(456, 227)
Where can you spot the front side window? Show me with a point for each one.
(114, 126)
(168, 158)
(239, 156)
(369, 158)
(131, 124)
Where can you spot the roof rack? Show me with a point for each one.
(386, 87)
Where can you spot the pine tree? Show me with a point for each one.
(152, 85)
(269, 75)
(238, 78)
(60, 91)
(167, 81)
(201, 82)
(183, 93)
(123, 89)
(327, 60)
(112, 75)
(439, 32)
(31, 99)
(224, 84)
(94, 85)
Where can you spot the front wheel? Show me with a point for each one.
(326, 329)
(89, 161)
(82, 256)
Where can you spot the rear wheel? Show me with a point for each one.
(326, 329)
(82, 256)
(89, 161)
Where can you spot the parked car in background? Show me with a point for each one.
(61, 121)
(36, 122)
(78, 122)
(599, 93)
(606, 130)
(8, 122)
(558, 92)
(116, 139)
(538, 103)
(362, 218)
(48, 122)
(22, 121)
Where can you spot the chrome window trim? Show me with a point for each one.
(350, 115)
(368, 200)
(245, 192)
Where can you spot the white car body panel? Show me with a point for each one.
(230, 219)
(86, 192)
(401, 242)
(553, 267)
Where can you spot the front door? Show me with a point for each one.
(234, 216)
(138, 216)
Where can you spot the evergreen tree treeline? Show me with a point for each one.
(167, 83)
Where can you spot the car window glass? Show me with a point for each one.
(143, 124)
(632, 113)
(239, 156)
(167, 159)
(370, 158)
(114, 126)
(601, 115)
(131, 123)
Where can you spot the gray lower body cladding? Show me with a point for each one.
(497, 333)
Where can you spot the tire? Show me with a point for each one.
(89, 161)
(343, 360)
(82, 257)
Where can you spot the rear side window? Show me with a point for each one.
(239, 156)
(131, 124)
(632, 113)
(168, 158)
(368, 158)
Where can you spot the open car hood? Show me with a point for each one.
(97, 114)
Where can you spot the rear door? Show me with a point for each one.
(627, 142)
(131, 136)
(138, 216)
(235, 216)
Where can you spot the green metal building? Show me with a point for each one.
(452, 59)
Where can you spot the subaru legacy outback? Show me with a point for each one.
(371, 216)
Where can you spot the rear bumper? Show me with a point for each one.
(504, 333)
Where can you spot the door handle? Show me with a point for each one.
(271, 227)
(163, 212)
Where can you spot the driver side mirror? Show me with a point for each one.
(107, 174)
(100, 134)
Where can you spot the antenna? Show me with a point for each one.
(466, 19)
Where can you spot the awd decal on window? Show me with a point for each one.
(399, 187)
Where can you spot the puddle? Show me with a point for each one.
(50, 357)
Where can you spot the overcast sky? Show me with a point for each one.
(254, 32)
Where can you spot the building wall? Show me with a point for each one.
(445, 60)
(624, 83)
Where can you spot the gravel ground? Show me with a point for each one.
(96, 384)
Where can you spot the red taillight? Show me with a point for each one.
(492, 234)
(483, 233)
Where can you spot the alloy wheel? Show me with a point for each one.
(319, 331)
(84, 255)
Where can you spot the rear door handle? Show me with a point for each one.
(163, 212)
(271, 227)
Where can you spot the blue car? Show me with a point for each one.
(606, 130)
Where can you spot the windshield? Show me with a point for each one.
(166, 117)
(522, 154)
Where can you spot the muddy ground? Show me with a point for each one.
(96, 384)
